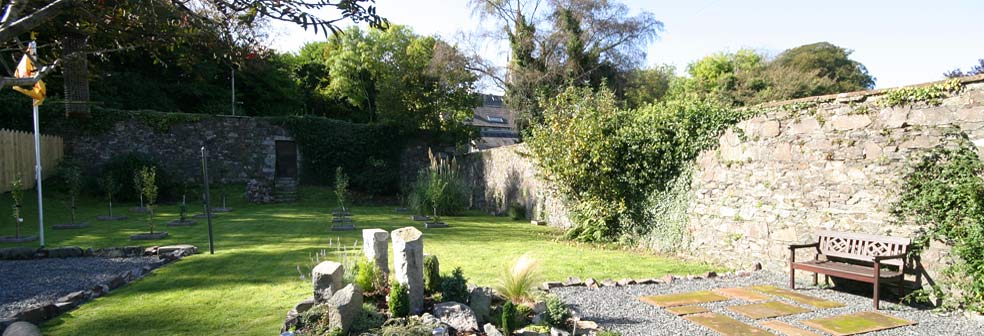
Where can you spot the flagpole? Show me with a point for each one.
(37, 173)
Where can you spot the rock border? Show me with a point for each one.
(40, 314)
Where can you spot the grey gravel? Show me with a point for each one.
(31, 283)
(618, 308)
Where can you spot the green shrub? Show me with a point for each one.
(399, 300)
(557, 312)
(17, 194)
(517, 211)
(122, 168)
(411, 326)
(341, 187)
(148, 188)
(438, 189)
(368, 318)
(518, 282)
(432, 274)
(368, 276)
(522, 317)
(455, 287)
(508, 316)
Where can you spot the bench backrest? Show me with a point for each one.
(860, 246)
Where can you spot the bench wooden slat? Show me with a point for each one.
(860, 270)
(860, 246)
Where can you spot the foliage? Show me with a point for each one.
(438, 189)
(608, 333)
(369, 277)
(399, 300)
(109, 186)
(72, 176)
(371, 150)
(410, 326)
(341, 187)
(608, 160)
(17, 195)
(932, 95)
(316, 322)
(454, 287)
(432, 274)
(665, 228)
(517, 211)
(946, 192)
(148, 188)
(644, 86)
(977, 69)
(124, 169)
(829, 61)
(369, 318)
(508, 316)
(519, 281)
(522, 317)
(557, 312)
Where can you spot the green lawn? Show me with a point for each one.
(251, 281)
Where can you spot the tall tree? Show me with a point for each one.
(828, 61)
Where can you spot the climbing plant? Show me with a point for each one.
(932, 95)
(945, 192)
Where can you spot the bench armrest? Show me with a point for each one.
(799, 246)
(897, 256)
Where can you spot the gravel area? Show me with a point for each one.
(618, 308)
(31, 283)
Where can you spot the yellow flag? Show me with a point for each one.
(25, 69)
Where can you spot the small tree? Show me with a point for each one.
(341, 187)
(138, 186)
(110, 187)
(73, 179)
(17, 193)
(148, 192)
(223, 172)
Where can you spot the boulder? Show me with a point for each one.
(480, 302)
(326, 278)
(456, 315)
(185, 250)
(65, 252)
(558, 332)
(408, 264)
(304, 306)
(490, 330)
(17, 253)
(22, 329)
(344, 307)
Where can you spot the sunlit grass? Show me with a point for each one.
(251, 281)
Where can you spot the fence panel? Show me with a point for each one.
(17, 157)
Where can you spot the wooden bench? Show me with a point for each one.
(856, 256)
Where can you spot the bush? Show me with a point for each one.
(557, 312)
(438, 190)
(455, 287)
(368, 319)
(368, 276)
(399, 300)
(517, 211)
(432, 274)
(508, 316)
(518, 282)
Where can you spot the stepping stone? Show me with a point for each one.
(798, 298)
(742, 294)
(857, 323)
(686, 310)
(787, 329)
(682, 299)
(758, 311)
(725, 325)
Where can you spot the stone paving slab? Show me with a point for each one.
(682, 299)
(787, 329)
(742, 294)
(725, 325)
(686, 310)
(857, 323)
(798, 298)
(757, 311)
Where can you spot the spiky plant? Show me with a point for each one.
(518, 282)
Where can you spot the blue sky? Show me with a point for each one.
(901, 42)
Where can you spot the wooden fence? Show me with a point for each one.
(17, 157)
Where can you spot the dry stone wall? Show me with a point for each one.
(833, 162)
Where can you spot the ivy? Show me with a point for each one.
(945, 192)
(932, 95)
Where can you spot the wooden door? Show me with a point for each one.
(286, 159)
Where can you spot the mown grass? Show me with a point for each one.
(251, 281)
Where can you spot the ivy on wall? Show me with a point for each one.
(945, 193)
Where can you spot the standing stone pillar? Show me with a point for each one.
(408, 264)
(375, 248)
(327, 279)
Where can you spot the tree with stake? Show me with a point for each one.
(223, 173)
(73, 179)
(110, 187)
(138, 186)
(17, 193)
(341, 188)
(148, 189)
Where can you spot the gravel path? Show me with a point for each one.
(31, 283)
(618, 308)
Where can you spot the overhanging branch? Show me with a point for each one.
(26, 23)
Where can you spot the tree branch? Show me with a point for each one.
(25, 24)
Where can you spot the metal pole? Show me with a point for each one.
(208, 209)
(37, 174)
(233, 90)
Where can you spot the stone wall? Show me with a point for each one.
(244, 146)
(504, 175)
(833, 162)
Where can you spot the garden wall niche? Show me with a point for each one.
(501, 176)
(834, 162)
